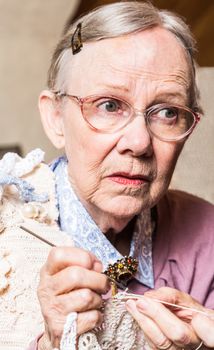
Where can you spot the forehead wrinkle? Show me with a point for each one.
(178, 77)
(120, 83)
(129, 71)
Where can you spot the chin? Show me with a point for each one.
(125, 206)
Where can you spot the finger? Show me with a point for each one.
(86, 321)
(204, 328)
(176, 297)
(89, 320)
(156, 338)
(173, 296)
(74, 277)
(177, 331)
(62, 257)
(78, 300)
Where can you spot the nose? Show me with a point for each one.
(135, 138)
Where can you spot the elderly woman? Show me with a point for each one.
(122, 101)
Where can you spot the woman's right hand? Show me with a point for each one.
(204, 327)
(71, 281)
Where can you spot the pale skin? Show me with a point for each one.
(70, 281)
(164, 326)
(145, 311)
(204, 327)
(144, 70)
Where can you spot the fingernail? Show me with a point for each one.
(130, 304)
(103, 326)
(142, 304)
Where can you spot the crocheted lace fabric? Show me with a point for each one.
(120, 331)
(21, 257)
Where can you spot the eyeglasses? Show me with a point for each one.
(109, 114)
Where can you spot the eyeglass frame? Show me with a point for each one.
(80, 101)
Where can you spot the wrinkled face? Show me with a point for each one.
(121, 173)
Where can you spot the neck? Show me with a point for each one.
(106, 221)
(122, 240)
(118, 230)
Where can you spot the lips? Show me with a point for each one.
(130, 179)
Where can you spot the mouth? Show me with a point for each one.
(130, 179)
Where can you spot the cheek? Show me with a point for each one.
(82, 143)
(87, 147)
(166, 158)
(87, 152)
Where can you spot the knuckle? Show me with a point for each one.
(95, 317)
(87, 297)
(76, 275)
(171, 293)
(181, 336)
(55, 254)
(88, 320)
(86, 260)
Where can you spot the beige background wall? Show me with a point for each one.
(29, 30)
(195, 169)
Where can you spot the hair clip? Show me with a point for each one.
(76, 40)
(121, 272)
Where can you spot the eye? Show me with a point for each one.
(164, 115)
(110, 106)
(167, 113)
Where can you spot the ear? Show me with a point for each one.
(52, 119)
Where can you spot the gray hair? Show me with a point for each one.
(122, 18)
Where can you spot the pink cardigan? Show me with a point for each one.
(183, 248)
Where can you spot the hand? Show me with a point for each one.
(204, 327)
(70, 281)
(166, 327)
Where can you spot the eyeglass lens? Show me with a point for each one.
(111, 114)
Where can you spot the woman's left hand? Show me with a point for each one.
(166, 327)
(204, 327)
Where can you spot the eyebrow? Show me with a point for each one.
(164, 96)
(118, 87)
(170, 96)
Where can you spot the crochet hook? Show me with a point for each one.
(127, 294)
(37, 236)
